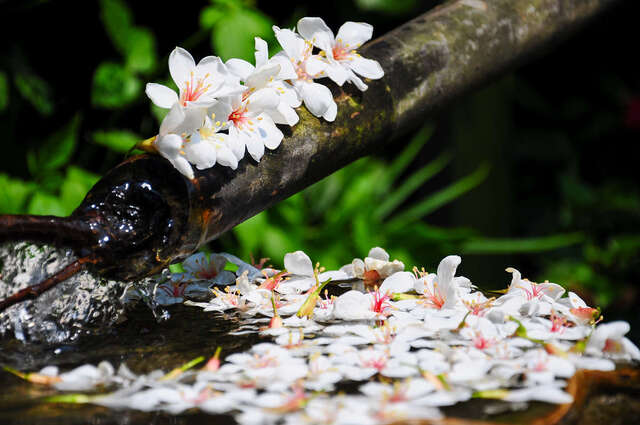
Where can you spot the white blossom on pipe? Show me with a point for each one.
(199, 85)
(317, 98)
(343, 61)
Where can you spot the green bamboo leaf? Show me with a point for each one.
(46, 204)
(233, 37)
(415, 180)
(396, 7)
(35, 91)
(14, 194)
(141, 50)
(114, 86)
(75, 187)
(440, 198)
(4, 91)
(117, 20)
(210, 16)
(56, 151)
(510, 246)
(120, 141)
(402, 161)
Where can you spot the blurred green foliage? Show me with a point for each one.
(402, 199)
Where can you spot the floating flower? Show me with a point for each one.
(609, 339)
(440, 290)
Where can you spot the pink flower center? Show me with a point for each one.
(482, 343)
(377, 363)
(193, 89)
(398, 396)
(534, 290)
(434, 298)
(340, 52)
(612, 346)
(264, 361)
(379, 302)
(558, 323)
(239, 117)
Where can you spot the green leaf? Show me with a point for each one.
(440, 198)
(56, 151)
(210, 16)
(114, 86)
(415, 180)
(75, 187)
(395, 7)
(35, 91)
(117, 140)
(512, 246)
(234, 35)
(45, 204)
(4, 91)
(14, 194)
(117, 20)
(140, 50)
(402, 161)
(249, 234)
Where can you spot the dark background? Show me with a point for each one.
(559, 135)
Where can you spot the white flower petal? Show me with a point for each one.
(200, 153)
(172, 120)
(262, 52)
(315, 66)
(240, 68)
(331, 112)
(255, 148)
(181, 64)
(162, 96)
(337, 73)
(317, 32)
(353, 34)
(263, 99)
(298, 263)
(397, 283)
(292, 44)
(368, 68)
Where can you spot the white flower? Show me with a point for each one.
(170, 141)
(528, 298)
(207, 146)
(247, 118)
(317, 98)
(199, 85)
(440, 290)
(374, 269)
(340, 52)
(609, 339)
(299, 266)
(269, 73)
(83, 378)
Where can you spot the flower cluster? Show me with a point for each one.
(223, 110)
(415, 341)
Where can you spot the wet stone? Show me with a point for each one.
(82, 304)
